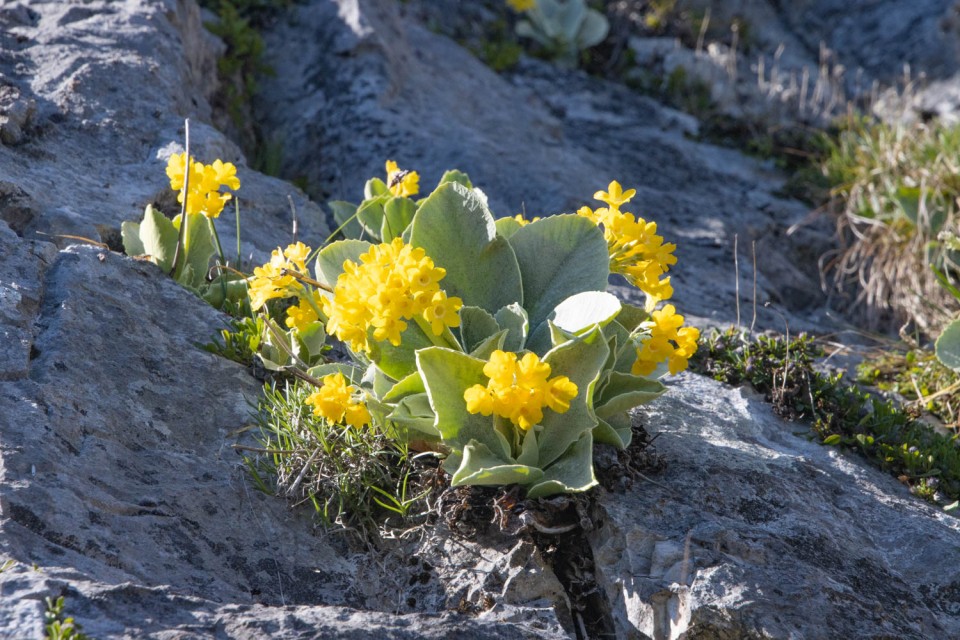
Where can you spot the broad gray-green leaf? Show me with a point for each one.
(354, 375)
(616, 431)
(624, 391)
(481, 467)
(330, 259)
(314, 339)
(410, 385)
(507, 226)
(580, 360)
(529, 451)
(158, 237)
(397, 215)
(583, 310)
(345, 216)
(593, 29)
(558, 256)
(631, 316)
(491, 344)
(573, 471)
(370, 216)
(199, 247)
(513, 318)
(414, 412)
(374, 187)
(447, 374)
(453, 175)
(130, 233)
(455, 228)
(400, 361)
(476, 325)
(948, 346)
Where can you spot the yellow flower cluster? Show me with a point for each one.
(204, 186)
(335, 402)
(636, 251)
(522, 5)
(519, 390)
(669, 342)
(269, 281)
(393, 282)
(402, 182)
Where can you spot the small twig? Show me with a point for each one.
(95, 243)
(302, 278)
(303, 472)
(293, 213)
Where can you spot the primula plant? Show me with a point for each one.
(492, 343)
(562, 27)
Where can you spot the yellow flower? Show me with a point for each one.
(392, 283)
(520, 390)
(304, 313)
(270, 282)
(402, 182)
(636, 251)
(615, 196)
(522, 5)
(204, 185)
(668, 342)
(334, 402)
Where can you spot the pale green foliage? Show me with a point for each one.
(564, 28)
(59, 627)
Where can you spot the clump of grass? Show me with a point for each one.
(917, 376)
(840, 414)
(895, 188)
(240, 342)
(357, 478)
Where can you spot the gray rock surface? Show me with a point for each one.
(752, 531)
(542, 142)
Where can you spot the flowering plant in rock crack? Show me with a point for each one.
(493, 342)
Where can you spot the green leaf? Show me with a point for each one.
(455, 228)
(314, 339)
(370, 216)
(625, 391)
(948, 346)
(476, 325)
(480, 466)
(507, 226)
(529, 452)
(832, 439)
(397, 215)
(583, 310)
(344, 215)
(616, 430)
(158, 237)
(400, 361)
(580, 360)
(410, 385)
(446, 375)
(558, 256)
(199, 249)
(375, 187)
(513, 318)
(130, 233)
(330, 259)
(414, 412)
(631, 317)
(353, 374)
(491, 344)
(454, 175)
(573, 471)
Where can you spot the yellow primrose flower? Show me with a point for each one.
(636, 251)
(402, 182)
(519, 390)
(392, 283)
(668, 342)
(269, 281)
(521, 6)
(303, 314)
(334, 402)
(615, 196)
(205, 182)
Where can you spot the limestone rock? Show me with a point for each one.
(753, 531)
